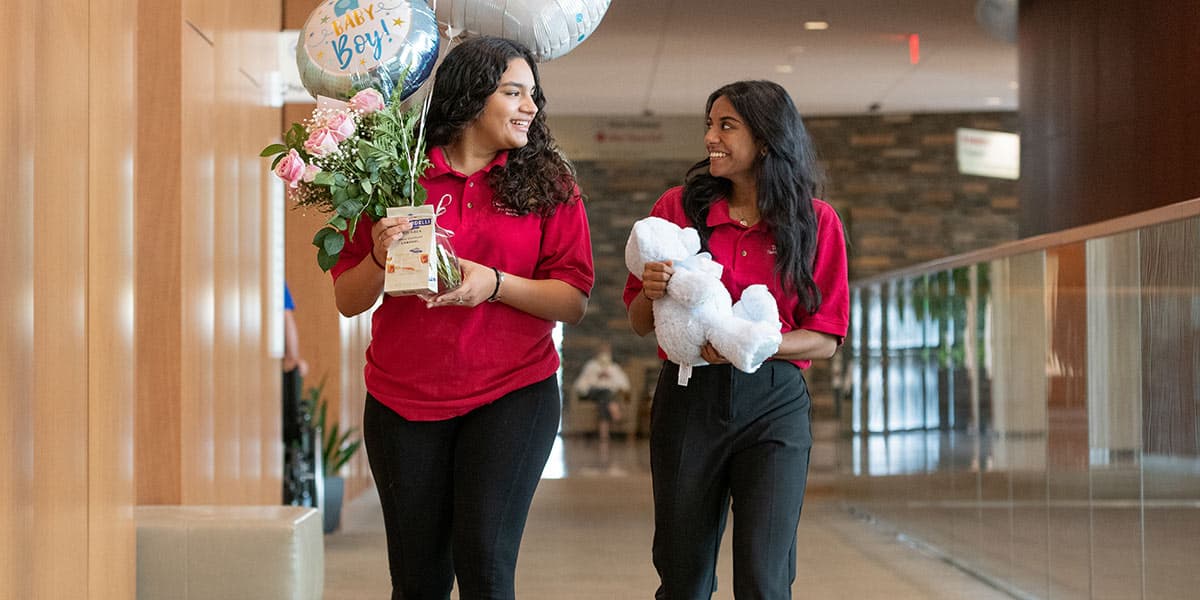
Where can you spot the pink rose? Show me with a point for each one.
(341, 125)
(291, 168)
(367, 101)
(310, 173)
(321, 142)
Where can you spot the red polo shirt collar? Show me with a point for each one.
(441, 166)
(718, 214)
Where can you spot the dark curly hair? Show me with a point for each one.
(789, 177)
(536, 178)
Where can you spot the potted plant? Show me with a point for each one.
(337, 448)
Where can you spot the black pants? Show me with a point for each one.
(727, 436)
(602, 398)
(456, 493)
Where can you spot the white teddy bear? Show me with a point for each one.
(697, 307)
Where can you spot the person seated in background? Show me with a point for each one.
(603, 381)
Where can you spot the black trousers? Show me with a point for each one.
(456, 493)
(729, 435)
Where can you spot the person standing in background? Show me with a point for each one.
(295, 369)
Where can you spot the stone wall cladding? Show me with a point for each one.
(893, 179)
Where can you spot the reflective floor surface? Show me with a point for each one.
(591, 525)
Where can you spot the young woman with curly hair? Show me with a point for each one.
(729, 436)
(463, 401)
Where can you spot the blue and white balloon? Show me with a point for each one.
(348, 45)
(549, 28)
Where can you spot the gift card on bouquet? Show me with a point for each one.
(411, 266)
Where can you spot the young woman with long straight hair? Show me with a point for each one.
(729, 436)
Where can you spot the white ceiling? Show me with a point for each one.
(664, 57)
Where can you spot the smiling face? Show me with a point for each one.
(504, 122)
(732, 150)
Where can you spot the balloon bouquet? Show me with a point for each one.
(363, 149)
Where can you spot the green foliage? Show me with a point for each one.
(337, 446)
(946, 297)
(375, 168)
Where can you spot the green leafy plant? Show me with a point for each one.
(337, 445)
(361, 158)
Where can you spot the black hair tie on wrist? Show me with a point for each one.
(496, 292)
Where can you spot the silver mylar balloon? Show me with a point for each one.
(348, 45)
(549, 28)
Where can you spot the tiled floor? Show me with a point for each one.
(589, 536)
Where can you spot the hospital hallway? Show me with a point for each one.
(590, 529)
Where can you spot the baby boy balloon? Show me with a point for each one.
(348, 45)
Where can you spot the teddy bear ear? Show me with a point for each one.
(644, 244)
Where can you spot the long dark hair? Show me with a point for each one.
(788, 180)
(536, 177)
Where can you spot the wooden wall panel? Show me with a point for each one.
(264, 123)
(206, 16)
(219, 394)
(60, 291)
(271, 249)
(118, 133)
(66, 357)
(226, 238)
(112, 140)
(199, 434)
(250, 266)
(159, 288)
(17, 304)
(1107, 105)
(295, 12)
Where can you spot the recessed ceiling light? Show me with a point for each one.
(992, 100)
(1012, 85)
(816, 25)
(783, 68)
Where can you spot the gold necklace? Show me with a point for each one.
(745, 221)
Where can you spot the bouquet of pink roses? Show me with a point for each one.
(354, 158)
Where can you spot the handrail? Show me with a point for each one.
(1154, 216)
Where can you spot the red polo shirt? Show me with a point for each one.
(748, 255)
(435, 364)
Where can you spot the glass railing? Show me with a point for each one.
(1032, 411)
